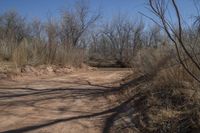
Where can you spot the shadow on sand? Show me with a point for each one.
(108, 115)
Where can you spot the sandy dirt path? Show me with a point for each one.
(74, 103)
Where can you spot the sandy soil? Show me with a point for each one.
(72, 103)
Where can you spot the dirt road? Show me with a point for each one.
(74, 103)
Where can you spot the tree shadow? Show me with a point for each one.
(108, 115)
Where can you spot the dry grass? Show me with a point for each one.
(20, 54)
(167, 101)
(157, 108)
(6, 49)
(35, 53)
(151, 60)
(74, 57)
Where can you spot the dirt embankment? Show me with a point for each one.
(8, 70)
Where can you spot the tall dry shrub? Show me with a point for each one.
(73, 56)
(151, 60)
(13, 29)
(20, 54)
(6, 49)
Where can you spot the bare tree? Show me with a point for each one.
(75, 23)
(37, 29)
(13, 30)
(197, 17)
(124, 38)
(13, 26)
(52, 44)
(159, 8)
(153, 36)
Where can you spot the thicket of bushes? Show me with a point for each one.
(52, 42)
(165, 97)
(74, 39)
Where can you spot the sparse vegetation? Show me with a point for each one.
(160, 96)
(53, 42)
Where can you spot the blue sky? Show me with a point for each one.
(40, 8)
